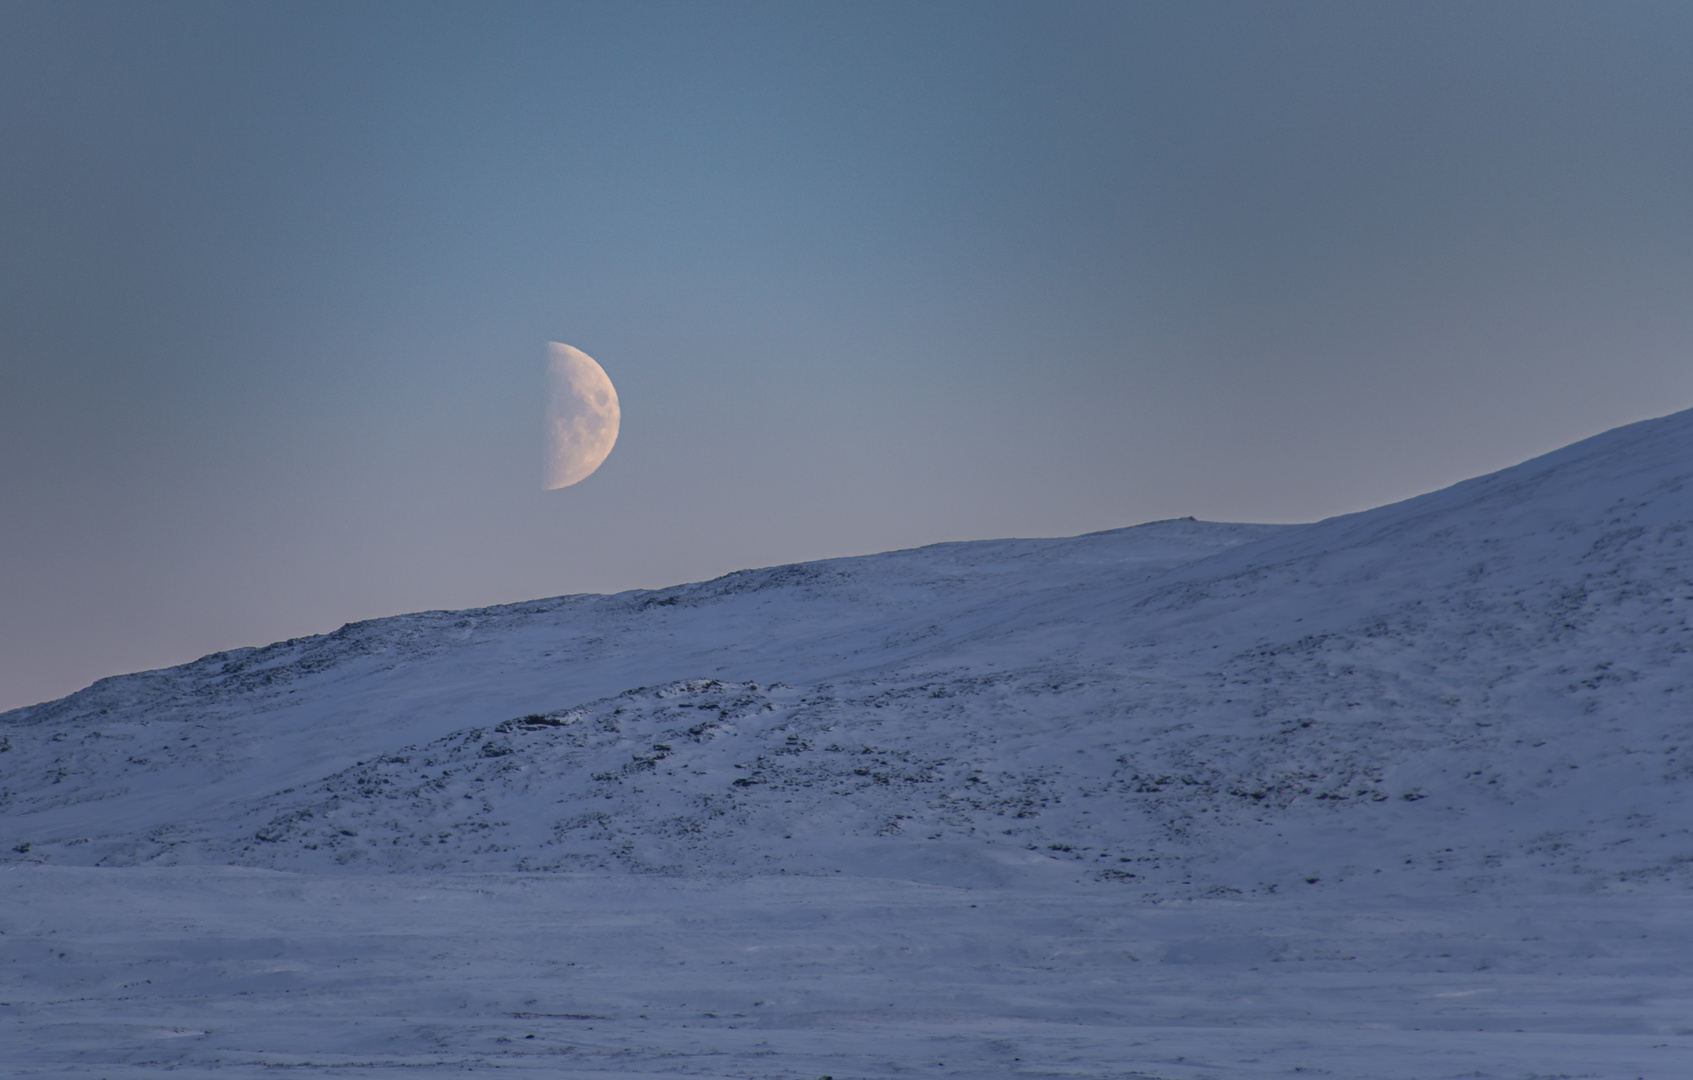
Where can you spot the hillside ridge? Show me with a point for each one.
(1477, 688)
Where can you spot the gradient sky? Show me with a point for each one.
(276, 281)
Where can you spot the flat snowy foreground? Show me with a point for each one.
(235, 972)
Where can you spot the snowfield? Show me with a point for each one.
(1398, 794)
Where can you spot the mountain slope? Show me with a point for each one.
(1482, 688)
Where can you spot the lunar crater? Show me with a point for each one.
(583, 416)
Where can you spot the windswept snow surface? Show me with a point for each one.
(1397, 794)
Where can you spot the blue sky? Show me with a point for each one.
(276, 281)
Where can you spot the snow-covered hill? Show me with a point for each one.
(143, 766)
(1474, 697)
(1487, 682)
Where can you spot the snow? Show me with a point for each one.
(240, 972)
(1398, 794)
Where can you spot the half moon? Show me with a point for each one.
(582, 416)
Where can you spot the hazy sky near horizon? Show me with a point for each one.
(276, 282)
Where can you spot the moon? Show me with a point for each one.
(582, 416)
